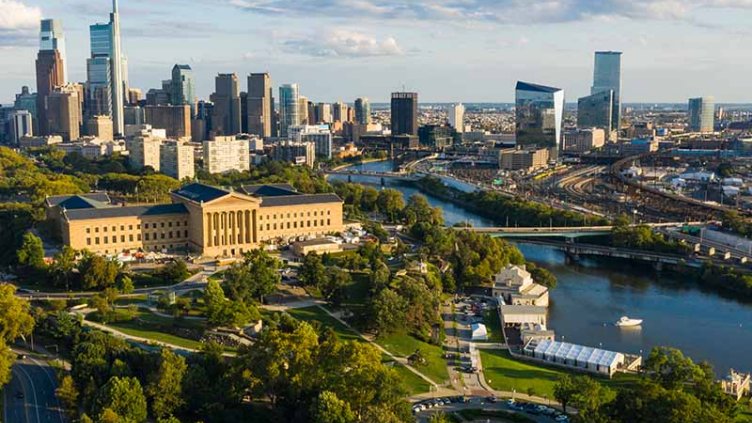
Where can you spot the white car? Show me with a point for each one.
(563, 418)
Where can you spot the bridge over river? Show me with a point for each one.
(560, 231)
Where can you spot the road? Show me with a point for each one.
(30, 395)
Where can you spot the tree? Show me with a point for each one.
(312, 271)
(15, 314)
(391, 202)
(67, 393)
(175, 271)
(254, 278)
(62, 267)
(541, 275)
(223, 312)
(328, 408)
(7, 358)
(125, 397)
(165, 387)
(589, 398)
(671, 369)
(31, 252)
(334, 285)
(564, 390)
(125, 284)
(388, 310)
(97, 272)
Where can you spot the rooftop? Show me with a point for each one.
(290, 200)
(581, 353)
(527, 86)
(200, 192)
(79, 201)
(269, 190)
(129, 211)
(522, 309)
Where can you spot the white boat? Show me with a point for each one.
(625, 321)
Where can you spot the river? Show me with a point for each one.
(591, 295)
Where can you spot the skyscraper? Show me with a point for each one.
(49, 67)
(51, 37)
(99, 86)
(339, 112)
(404, 117)
(118, 84)
(260, 104)
(226, 99)
(64, 112)
(596, 111)
(20, 124)
(303, 109)
(607, 76)
(289, 108)
(362, 111)
(182, 89)
(538, 114)
(457, 117)
(701, 114)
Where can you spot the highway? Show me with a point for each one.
(30, 395)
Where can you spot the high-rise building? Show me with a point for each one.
(404, 113)
(64, 112)
(596, 111)
(176, 159)
(303, 109)
(583, 140)
(99, 86)
(224, 154)
(538, 115)
(144, 148)
(49, 67)
(260, 104)
(289, 108)
(362, 111)
(100, 127)
(182, 89)
(701, 113)
(20, 125)
(227, 110)
(176, 120)
(298, 153)
(119, 73)
(340, 112)
(457, 117)
(319, 135)
(51, 38)
(323, 113)
(607, 76)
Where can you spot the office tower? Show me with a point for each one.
(183, 90)
(224, 154)
(596, 111)
(323, 113)
(362, 111)
(303, 109)
(538, 115)
(701, 114)
(118, 77)
(20, 125)
(457, 117)
(144, 148)
(340, 112)
(175, 120)
(607, 76)
(51, 38)
(49, 67)
(176, 159)
(100, 127)
(298, 153)
(243, 112)
(319, 135)
(289, 110)
(99, 71)
(64, 112)
(201, 126)
(226, 99)
(260, 104)
(404, 113)
(134, 115)
(26, 100)
(158, 96)
(583, 140)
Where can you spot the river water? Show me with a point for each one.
(592, 295)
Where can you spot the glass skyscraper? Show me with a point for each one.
(289, 110)
(182, 88)
(607, 76)
(701, 113)
(362, 111)
(538, 112)
(404, 116)
(51, 37)
(596, 111)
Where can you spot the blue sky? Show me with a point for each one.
(447, 50)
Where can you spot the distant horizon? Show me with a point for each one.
(670, 52)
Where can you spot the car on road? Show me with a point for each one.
(562, 418)
(491, 399)
(21, 356)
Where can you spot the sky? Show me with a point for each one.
(446, 50)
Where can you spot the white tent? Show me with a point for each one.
(479, 332)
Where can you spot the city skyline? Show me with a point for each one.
(395, 42)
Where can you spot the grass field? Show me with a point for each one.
(358, 290)
(413, 383)
(504, 373)
(134, 329)
(403, 345)
(316, 314)
(493, 325)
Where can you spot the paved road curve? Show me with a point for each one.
(30, 395)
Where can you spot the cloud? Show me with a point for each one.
(18, 23)
(493, 11)
(342, 43)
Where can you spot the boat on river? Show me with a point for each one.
(625, 321)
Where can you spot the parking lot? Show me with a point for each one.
(539, 413)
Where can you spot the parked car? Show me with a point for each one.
(562, 418)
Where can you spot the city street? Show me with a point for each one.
(30, 395)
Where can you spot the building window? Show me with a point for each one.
(88, 241)
(130, 227)
(114, 229)
(88, 230)
(328, 222)
(96, 240)
(114, 239)
(295, 225)
(138, 226)
(146, 236)
(130, 237)
(122, 227)
(186, 233)
(138, 237)
(169, 224)
(161, 224)
(322, 222)
(122, 238)
(104, 239)
(162, 235)
(104, 229)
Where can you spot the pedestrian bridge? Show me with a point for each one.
(391, 175)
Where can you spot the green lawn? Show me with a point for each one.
(504, 373)
(493, 325)
(316, 314)
(412, 382)
(134, 329)
(131, 300)
(359, 289)
(403, 345)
